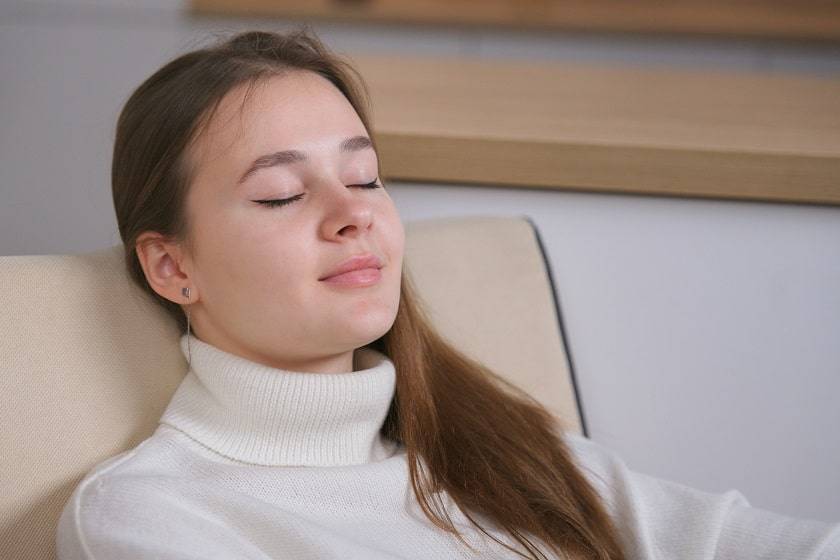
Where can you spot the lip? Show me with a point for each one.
(356, 262)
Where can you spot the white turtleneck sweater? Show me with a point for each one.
(255, 462)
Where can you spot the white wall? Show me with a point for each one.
(704, 333)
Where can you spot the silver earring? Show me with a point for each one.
(186, 294)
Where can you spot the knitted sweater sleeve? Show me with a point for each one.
(661, 519)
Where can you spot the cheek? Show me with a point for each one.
(250, 259)
(396, 237)
(271, 267)
(395, 245)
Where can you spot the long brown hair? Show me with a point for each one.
(498, 453)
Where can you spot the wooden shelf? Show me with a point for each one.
(620, 129)
(788, 19)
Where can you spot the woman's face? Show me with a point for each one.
(256, 269)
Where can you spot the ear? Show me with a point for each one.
(165, 264)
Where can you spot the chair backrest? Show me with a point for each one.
(88, 362)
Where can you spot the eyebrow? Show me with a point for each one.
(353, 144)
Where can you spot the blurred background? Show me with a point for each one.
(703, 319)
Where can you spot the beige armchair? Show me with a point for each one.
(89, 362)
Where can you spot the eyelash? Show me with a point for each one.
(283, 202)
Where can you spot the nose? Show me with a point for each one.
(349, 213)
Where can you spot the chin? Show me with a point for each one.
(371, 327)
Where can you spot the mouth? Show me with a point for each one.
(356, 263)
(355, 278)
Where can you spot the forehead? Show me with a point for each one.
(296, 110)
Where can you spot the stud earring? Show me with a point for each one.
(186, 293)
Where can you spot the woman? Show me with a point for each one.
(322, 416)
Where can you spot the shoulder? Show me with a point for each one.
(86, 508)
(116, 493)
(603, 467)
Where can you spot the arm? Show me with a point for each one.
(660, 519)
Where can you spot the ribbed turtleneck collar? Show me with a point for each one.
(263, 415)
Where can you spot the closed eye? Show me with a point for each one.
(284, 201)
